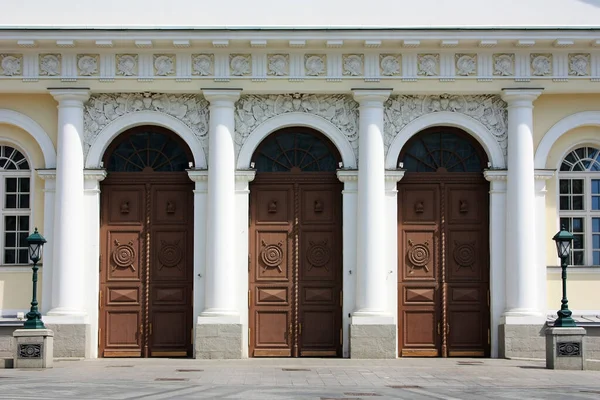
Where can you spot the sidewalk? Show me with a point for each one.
(320, 379)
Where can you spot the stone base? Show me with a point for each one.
(34, 348)
(521, 341)
(218, 341)
(70, 340)
(565, 348)
(372, 341)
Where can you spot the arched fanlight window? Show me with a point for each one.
(15, 191)
(295, 150)
(441, 150)
(148, 149)
(579, 203)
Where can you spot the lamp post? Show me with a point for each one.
(563, 241)
(36, 244)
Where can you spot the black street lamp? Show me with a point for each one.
(36, 245)
(563, 241)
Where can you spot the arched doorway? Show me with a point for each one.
(146, 270)
(443, 249)
(295, 275)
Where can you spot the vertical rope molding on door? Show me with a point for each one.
(147, 272)
(296, 265)
(443, 258)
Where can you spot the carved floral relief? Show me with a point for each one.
(541, 64)
(389, 64)
(87, 64)
(466, 64)
(127, 64)
(50, 64)
(504, 64)
(102, 109)
(428, 64)
(315, 64)
(203, 64)
(353, 64)
(164, 64)
(490, 110)
(278, 64)
(579, 64)
(10, 64)
(240, 64)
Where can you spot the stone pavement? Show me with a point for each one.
(318, 379)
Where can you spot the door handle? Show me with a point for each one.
(439, 330)
(300, 328)
(150, 328)
(448, 328)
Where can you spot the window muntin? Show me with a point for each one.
(579, 203)
(15, 193)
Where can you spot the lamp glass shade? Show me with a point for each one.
(35, 241)
(563, 241)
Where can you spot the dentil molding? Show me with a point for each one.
(101, 109)
(490, 110)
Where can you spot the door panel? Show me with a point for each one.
(443, 263)
(295, 267)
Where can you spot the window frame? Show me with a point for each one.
(587, 213)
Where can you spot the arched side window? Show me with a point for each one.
(15, 184)
(579, 203)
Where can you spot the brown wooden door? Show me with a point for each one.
(295, 265)
(443, 261)
(146, 270)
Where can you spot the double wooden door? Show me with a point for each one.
(443, 262)
(295, 265)
(146, 270)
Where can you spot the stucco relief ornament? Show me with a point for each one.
(101, 109)
(87, 65)
(315, 65)
(50, 64)
(466, 64)
(541, 64)
(10, 65)
(340, 110)
(578, 64)
(428, 64)
(390, 64)
(490, 110)
(353, 64)
(278, 64)
(504, 64)
(202, 64)
(240, 64)
(127, 64)
(163, 65)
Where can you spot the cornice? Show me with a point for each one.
(543, 174)
(94, 174)
(394, 175)
(347, 175)
(198, 175)
(495, 174)
(46, 174)
(244, 175)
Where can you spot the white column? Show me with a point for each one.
(91, 259)
(521, 265)
(220, 298)
(497, 179)
(242, 203)
(49, 177)
(541, 235)
(349, 207)
(69, 239)
(371, 293)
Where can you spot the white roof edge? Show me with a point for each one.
(298, 27)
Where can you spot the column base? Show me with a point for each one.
(34, 348)
(521, 341)
(218, 340)
(373, 336)
(565, 348)
(72, 335)
(66, 312)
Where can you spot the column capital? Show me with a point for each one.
(245, 175)
(394, 175)
(198, 175)
(222, 97)
(46, 173)
(543, 174)
(371, 97)
(95, 174)
(495, 174)
(65, 96)
(347, 175)
(521, 96)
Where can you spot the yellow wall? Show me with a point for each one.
(582, 291)
(39, 107)
(16, 288)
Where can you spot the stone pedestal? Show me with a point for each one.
(565, 348)
(34, 348)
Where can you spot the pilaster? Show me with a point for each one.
(49, 178)
(541, 177)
